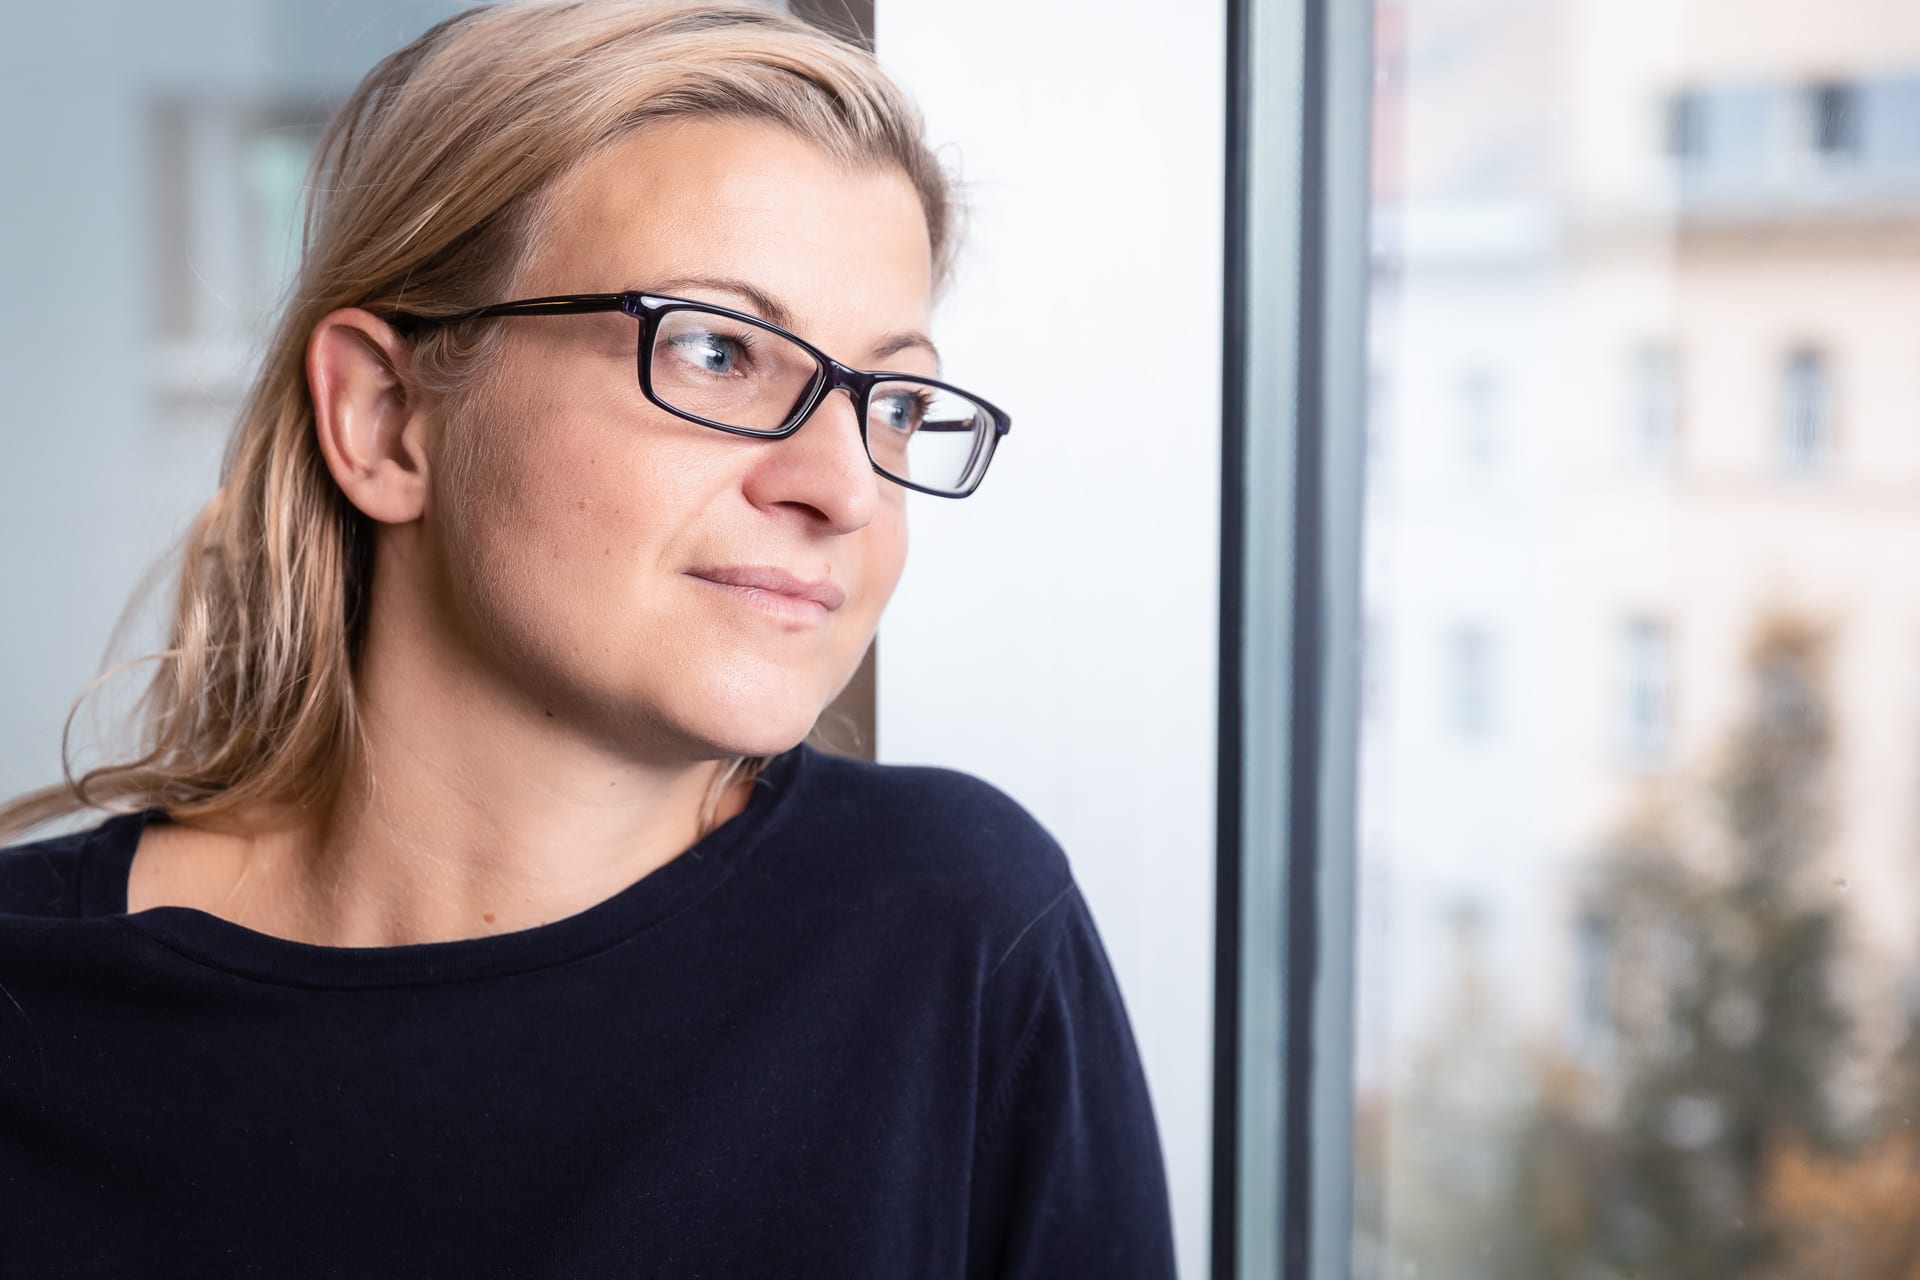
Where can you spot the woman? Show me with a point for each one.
(475, 906)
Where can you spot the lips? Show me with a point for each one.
(821, 591)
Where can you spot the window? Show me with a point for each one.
(1647, 690)
(1479, 401)
(1682, 137)
(1728, 134)
(1833, 121)
(1593, 983)
(1655, 412)
(1790, 700)
(227, 180)
(1887, 124)
(1806, 427)
(1470, 682)
(1704, 1039)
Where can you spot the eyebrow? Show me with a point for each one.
(771, 308)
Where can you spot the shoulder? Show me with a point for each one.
(939, 833)
(42, 877)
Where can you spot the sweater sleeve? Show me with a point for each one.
(1068, 1172)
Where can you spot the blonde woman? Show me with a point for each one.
(473, 904)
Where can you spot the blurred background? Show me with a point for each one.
(1640, 728)
(1635, 733)
(154, 167)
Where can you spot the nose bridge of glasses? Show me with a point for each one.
(840, 377)
(844, 376)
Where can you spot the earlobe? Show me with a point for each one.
(368, 421)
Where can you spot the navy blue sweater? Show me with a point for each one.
(865, 1028)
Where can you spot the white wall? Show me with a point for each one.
(1056, 633)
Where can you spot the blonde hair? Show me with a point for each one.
(426, 194)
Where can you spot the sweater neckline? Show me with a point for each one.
(234, 948)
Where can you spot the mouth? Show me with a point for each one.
(775, 591)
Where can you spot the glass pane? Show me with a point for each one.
(1639, 964)
(927, 434)
(729, 371)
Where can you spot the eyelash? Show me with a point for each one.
(922, 403)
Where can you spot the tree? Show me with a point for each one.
(1729, 1022)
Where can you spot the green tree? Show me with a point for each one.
(1731, 1023)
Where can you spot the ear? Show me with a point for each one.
(371, 426)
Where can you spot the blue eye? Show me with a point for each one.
(903, 411)
(712, 352)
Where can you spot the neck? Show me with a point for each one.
(468, 811)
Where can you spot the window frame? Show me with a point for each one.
(1296, 272)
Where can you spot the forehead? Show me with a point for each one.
(846, 250)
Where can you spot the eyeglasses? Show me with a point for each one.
(736, 372)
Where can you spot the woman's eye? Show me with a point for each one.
(710, 352)
(903, 413)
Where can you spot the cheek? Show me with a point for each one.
(565, 543)
(886, 555)
(564, 525)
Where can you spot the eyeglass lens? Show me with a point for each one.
(741, 375)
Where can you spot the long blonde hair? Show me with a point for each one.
(426, 193)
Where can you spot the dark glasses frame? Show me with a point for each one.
(650, 308)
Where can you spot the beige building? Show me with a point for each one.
(1645, 334)
(1742, 214)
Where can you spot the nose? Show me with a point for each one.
(822, 465)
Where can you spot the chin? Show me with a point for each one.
(755, 744)
(752, 704)
(755, 727)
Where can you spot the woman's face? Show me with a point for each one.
(570, 539)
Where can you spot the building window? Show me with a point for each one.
(1655, 414)
(1724, 132)
(1682, 136)
(1806, 419)
(1593, 983)
(1479, 399)
(1470, 682)
(1833, 121)
(1789, 698)
(1646, 707)
(1887, 124)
